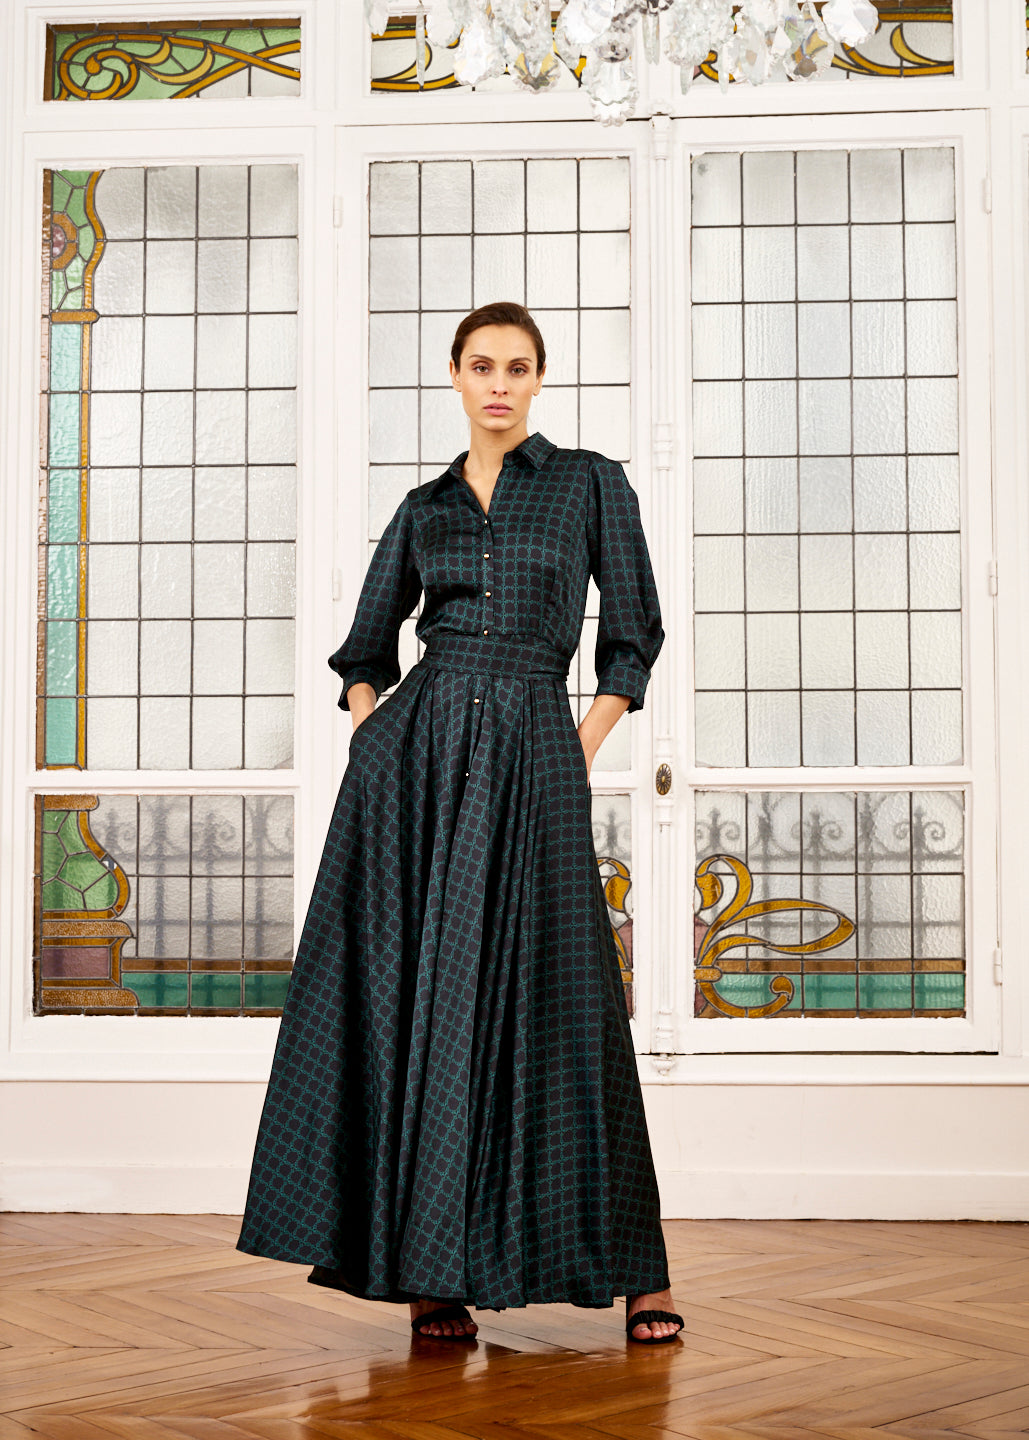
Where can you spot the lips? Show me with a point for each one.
(497, 409)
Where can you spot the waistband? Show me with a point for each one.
(447, 650)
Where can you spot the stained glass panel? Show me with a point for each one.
(449, 234)
(826, 509)
(215, 59)
(830, 904)
(163, 904)
(913, 40)
(168, 492)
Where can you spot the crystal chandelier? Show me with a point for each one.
(755, 40)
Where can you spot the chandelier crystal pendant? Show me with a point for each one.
(755, 40)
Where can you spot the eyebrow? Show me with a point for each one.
(519, 360)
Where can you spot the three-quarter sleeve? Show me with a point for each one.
(392, 585)
(629, 634)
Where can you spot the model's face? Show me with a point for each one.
(498, 377)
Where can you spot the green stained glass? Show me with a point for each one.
(58, 896)
(830, 992)
(157, 989)
(62, 582)
(62, 511)
(61, 719)
(64, 429)
(65, 357)
(940, 992)
(885, 992)
(215, 990)
(266, 992)
(214, 59)
(61, 657)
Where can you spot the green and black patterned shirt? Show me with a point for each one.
(556, 517)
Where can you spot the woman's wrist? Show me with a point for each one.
(599, 720)
(361, 699)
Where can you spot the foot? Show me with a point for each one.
(659, 1300)
(440, 1327)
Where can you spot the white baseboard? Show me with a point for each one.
(685, 1194)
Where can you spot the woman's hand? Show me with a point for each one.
(598, 722)
(361, 699)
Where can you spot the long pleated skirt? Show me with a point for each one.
(454, 1110)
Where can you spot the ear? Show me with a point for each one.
(453, 376)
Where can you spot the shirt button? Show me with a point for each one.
(476, 700)
(485, 632)
(485, 554)
(489, 592)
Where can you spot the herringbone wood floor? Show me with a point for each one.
(155, 1326)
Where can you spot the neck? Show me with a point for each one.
(487, 448)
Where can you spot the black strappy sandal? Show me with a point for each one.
(443, 1312)
(646, 1317)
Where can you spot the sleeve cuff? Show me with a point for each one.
(625, 679)
(369, 675)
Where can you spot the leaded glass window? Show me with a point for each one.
(215, 59)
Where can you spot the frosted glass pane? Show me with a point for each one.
(881, 572)
(770, 417)
(883, 726)
(719, 652)
(498, 268)
(111, 734)
(822, 195)
(113, 505)
(604, 412)
(444, 428)
(112, 584)
(221, 351)
(111, 657)
(823, 262)
(721, 728)
(933, 492)
(877, 262)
(881, 644)
(773, 728)
(271, 427)
(218, 580)
(222, 207)
(221, 427)
(828, 727)
(561, 330)
(718, 573)
(269, 732)
(273, 200)
(164, 577)
(716, 189)
(771, 572)
(171, 274)
(771, 340)
(604, 268)
(393, 274)
(552, 270)
(118, 282)
(717, 496)
(604, 194)
(170, 200)
(271, 580)
(823, 338)
(769, 263)
(499, 195)
(878, 417)
(217, 732)
(269, 657)
(878, 337)
(875, 185)
(880, 492)
(932, 337)
(164, 733)
(825, 493)
(936, 648)
(273, 274)
(826, 563)
(827, 651)
(773, 651)
(604, 357)
(932, 415)
(771, 495)
(114, 429)
(446, 272)
(220, 506)
(551, 195)
(446, 197)
(272, 502)
(931, 267)
(929, 182)
(217, 657)
(167, 504)
(393, 187)
(164, 657)
(167, 427)
(716, 268)
(119, 199)
(825, 421)
(936, 727)
(393, 349)
(768, 187)
(169, 352)
(116, 360)
(935, 572)
(717, 342)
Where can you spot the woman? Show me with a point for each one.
(454, 1115)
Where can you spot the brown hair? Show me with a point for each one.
(500, 312)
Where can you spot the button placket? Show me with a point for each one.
(487, 578)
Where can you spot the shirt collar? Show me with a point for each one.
(534, 449)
